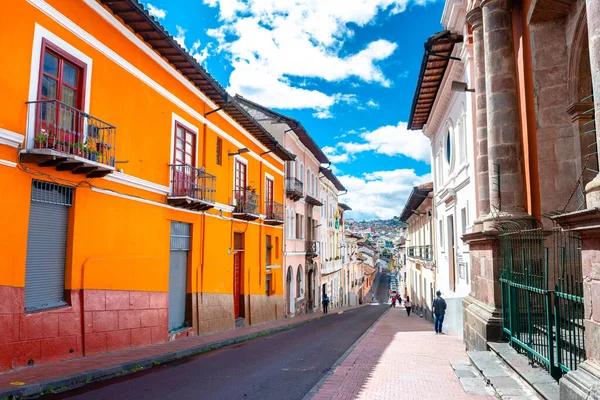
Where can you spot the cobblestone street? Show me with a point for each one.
(400, 358)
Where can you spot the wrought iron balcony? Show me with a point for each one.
(245, 203)
(424, 253)
(428, 252)
(294, 188)
(191, 187)
(69, 139)
(312, 248)
(274, 213)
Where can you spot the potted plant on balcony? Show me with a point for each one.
(41, 141)
(62, 146)
(90, 152)
(77, 149)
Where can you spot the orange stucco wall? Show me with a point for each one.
(119, 234)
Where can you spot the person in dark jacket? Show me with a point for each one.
(439, 310)
(325, 304)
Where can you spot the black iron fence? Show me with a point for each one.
(274, 211)
(245, 202)
(65, 129)
(192, 182)
(294, 186)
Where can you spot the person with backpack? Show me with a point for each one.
(408, 305)
(393, 302)
(439, 310)
(325, 304)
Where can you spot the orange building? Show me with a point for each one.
(139, 202)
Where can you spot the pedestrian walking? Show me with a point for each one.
(408, 305)
(399, 299)
(439, 311)
(393, 302)
(372, 297)
(325, 304)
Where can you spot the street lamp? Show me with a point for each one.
(240, 151)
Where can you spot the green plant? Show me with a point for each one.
(136, 368)
(156, 363)
(41, 138)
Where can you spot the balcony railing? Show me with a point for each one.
(274, 213)
(312, 247)
(245, 203)
(424, 253)
(294, 188)
(70, 139)
(191, 187)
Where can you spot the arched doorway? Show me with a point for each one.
(290, 290)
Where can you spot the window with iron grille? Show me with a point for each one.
(47, 246)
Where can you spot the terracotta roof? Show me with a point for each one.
(344, 206)
(438, 49)
(295, 125)
(417, 196)
(134, 15)
(329, 175)
(368, 269)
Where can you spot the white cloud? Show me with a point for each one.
(380, 194)
(323, 114)
(389, 140)
(274, 40)
(156, 12)
(180, 37)
(199, 54)
(373, 104)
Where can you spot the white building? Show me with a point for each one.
(449, 124)
(330, 237)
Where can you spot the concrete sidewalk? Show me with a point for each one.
(399, 358)
(60, 376)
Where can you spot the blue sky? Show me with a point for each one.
(347, 69)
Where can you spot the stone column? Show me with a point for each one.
(593, 21)
(475, 18)
(584, 383)
(503, 118)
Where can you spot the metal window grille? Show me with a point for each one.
(52, 193)
(180, 236)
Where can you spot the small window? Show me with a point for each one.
(219, 151)
(276, 247)
(268, 249)
(448, 147)
(268, 284)
(298, 226)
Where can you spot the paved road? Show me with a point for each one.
(282, 366)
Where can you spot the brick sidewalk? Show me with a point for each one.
(40, 378)
(400, 358)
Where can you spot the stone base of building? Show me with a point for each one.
(481, 324)
(215, 313)
(584, 383)
(265, 308)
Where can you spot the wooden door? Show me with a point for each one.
(237, 282)
(451, 254)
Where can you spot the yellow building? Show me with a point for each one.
(139, 202)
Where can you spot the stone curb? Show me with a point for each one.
(83, 378)
(315, 389)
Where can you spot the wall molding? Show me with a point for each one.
(7, 163)
(10, 138)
